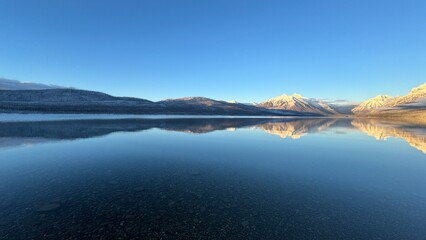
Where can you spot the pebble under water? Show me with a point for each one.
(210, 179)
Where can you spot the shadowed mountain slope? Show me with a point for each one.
(82, 101)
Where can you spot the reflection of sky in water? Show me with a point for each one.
(229, 179)
(28, 133)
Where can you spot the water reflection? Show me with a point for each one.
(222, 178)
(29, 133)
(299, 128)
(415, 135)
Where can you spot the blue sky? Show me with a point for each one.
(244, 50)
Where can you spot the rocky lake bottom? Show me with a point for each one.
(212, 178)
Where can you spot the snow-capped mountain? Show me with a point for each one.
(415, 99)
(18, 96)
(373, 103)
(8, 84)
(69, 100)
(299, 103)
(211, 106)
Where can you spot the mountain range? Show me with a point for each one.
(415, 99)
(299, 103)
(17, 96)
(32, 97)
(411, 107)
(68, 100)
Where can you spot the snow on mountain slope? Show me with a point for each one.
(416, 98)
(7, 84)
(207, 105)
(373, 103)
(299, 103)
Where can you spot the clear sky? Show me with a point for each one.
(224, 49)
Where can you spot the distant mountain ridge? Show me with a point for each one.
(18, 96)
(83, 101)
(211, 106)
(414, 100)
(373, 103)
(54, 99)
(8, 84)
(299, 103)
(69, 100)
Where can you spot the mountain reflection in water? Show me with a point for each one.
(212, 178)
(28, 133)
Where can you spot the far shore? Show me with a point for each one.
(415, 117)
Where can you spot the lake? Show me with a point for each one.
(212, 178)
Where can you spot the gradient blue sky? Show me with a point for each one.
(244, 50)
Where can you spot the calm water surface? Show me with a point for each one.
(222, 178)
